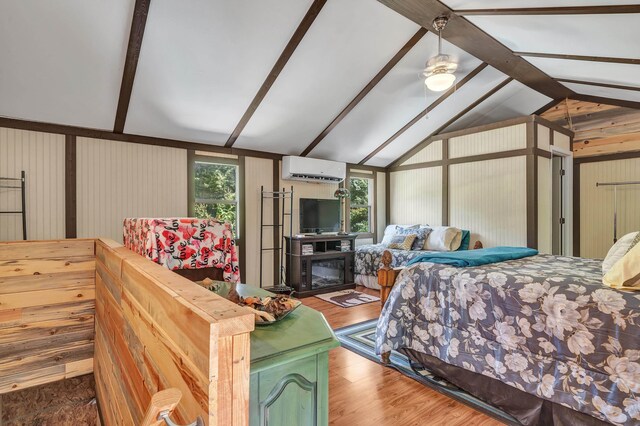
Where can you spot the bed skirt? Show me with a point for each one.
(526, 408)
(368, 281)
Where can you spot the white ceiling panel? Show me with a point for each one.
(62, 61)
(513, 100)
(503, 4)
(486, 80)
(203, 61)
(347, 45)
(587, 35)
(400, 96)
(605, 92)
(598, 72)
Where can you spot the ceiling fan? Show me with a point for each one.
(440, 69)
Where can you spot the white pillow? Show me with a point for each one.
(617, 251)
(443, 238)
(390, 232)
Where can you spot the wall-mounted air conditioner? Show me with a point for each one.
(313, 170)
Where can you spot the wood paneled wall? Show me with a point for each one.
(119, 179)
(156, 330)
(47, 307)
(492, 180)
(41, 156)
(600, 129)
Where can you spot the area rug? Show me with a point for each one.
(348, 298)
(361, 339)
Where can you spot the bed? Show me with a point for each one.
(539, 337)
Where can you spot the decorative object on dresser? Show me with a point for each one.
(326, 267)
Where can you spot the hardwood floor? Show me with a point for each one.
(362, 392)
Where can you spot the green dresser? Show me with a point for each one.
(290, 369)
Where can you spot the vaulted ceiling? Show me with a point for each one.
(334, 79)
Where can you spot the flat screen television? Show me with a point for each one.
(317, 215)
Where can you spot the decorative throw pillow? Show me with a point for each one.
(617, 251)
(443, 238)
(466, 239)
(390, 232)
(421, 235)
(625, 273)
(635, 242)
(402, 242)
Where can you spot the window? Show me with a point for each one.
(360, 204)
(216, 191)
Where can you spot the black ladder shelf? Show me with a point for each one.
(22, 187)
(281, 198)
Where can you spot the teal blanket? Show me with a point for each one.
(475, 257)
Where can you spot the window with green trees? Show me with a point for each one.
(360, 204)
(216, 192)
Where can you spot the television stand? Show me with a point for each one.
(320, 263)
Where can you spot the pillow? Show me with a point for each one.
(390, 232)
(421, 235)
(466, 239)
(443, 238)
(625, 273)
(635, 242)
(402, 242)
(617, 251)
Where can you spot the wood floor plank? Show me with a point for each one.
(363, 393)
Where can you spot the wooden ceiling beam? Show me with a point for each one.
(608, 101)
(632, 61)
(476, 42)
(551, 104)
(593, 83)
(442, 128)
(567, 10)
(138, 24)
(374, 81)
(422, 113)
(298, 35)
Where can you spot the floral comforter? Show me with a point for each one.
(545, 325)
(367, 258)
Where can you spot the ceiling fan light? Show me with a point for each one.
(439, 82)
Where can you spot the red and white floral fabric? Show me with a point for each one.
(184, 243)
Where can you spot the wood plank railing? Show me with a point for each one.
(153, 330)
(47, 307)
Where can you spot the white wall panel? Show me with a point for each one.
(454, 104)
(381, 220)
(348, 43)
(596, 204)
(513, 100)
(545, 232)
(396, 99)
(432, 152)
(544, 137)
(41, 156)
(605, 92)
(497, 140)
(562, 141)
(416, 196)
(203, 61)
(62, 61)
(257, 172)
(566, 34)
(116, 180)
(489, 199)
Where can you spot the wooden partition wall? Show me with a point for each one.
(156, 330)
(153, 330)
(47, 301)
